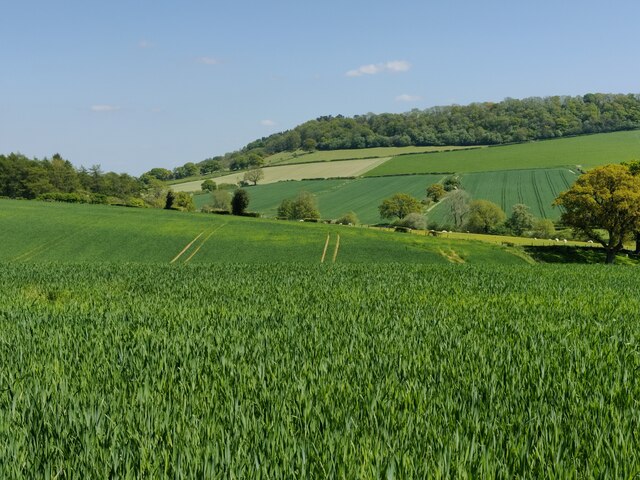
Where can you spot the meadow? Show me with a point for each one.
(310, 371)
(300, 156)
(345, 168)
(35, 232)
(585, 151)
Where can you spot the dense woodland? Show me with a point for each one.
(486, 123)
(57, 179)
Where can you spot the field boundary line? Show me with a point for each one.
(187, 247)
(203, 242)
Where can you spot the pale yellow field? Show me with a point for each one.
(344, 168)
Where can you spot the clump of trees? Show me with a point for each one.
(303, 206)
(181, 201)
(57, 179)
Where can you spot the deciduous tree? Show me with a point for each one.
(254, 175)
(239, 202)
(484, 216)
(399, 206)
(605, 198)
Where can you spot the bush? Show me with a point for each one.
(414, 221)
(251, 214)
(543, 228)
(212, 209)
(65, 197)
(402, 229)
(208, 186)
(348, 219)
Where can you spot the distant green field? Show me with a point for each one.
(34, 232)
(586, 151)
(536, 188)
(337, 197)
(300, 156)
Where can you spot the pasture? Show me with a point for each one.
(300, 156)
(345, 168)
(586, 151)
(304, 371)
(35, 232)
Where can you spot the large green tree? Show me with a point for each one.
(605, 199)
(303, 206)
(634, 168)
(399, 206)
(484, 216)
(239, 202)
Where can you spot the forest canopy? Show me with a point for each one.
(488, 123)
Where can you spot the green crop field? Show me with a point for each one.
(536, 188)
(337, 197)
(33, 231)
(300, 156)
(291, 371)
(586, 151)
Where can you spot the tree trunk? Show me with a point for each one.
(637, 243)
(611, 256)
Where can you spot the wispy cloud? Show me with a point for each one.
(145, 44)
(408, 98)
(268, 123)
(375, 68)
(104, 108)
(208, 60)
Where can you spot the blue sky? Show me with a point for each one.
(135, 84)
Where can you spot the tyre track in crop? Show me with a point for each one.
(203, 242)
(536, 191)
(503, 193)
(48, 245)
(187, 247)
(519, 189)
(550, 182)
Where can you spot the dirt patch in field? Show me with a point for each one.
(452, 256)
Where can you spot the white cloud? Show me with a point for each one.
(375, 68)
(208, 61)
(268, 123)
(145, 44)
(104, 108)
(408, 98)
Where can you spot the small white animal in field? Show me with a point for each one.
(557, 240)
(564, 240)
(589, 241)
